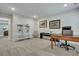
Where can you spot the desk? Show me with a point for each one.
(62, 37)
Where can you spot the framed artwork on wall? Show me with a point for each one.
(55, 24)
(43, 24)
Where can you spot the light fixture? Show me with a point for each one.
(65, 5)
(34, 16)
(12, 9)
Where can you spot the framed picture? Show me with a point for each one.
(55, 24)
(43, 24)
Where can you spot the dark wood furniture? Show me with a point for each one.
(44, 34)
(5, 33)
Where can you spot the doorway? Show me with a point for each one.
(3, 28)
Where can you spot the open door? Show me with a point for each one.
(3, 27)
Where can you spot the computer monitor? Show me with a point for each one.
(66, 28)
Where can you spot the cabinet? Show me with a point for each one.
(23, 31)
(26, 31)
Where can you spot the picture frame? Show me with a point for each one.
(55, 24)
(43, 24)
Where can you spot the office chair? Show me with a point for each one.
(67, 32)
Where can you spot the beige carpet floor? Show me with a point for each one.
(32, 47)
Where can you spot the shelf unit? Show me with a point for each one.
(23, 31)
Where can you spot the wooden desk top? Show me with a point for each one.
(67, 38)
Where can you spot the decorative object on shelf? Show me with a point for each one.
(20, 28)
(43, 24)
(26, 28)
(55, 24)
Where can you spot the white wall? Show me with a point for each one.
(35, 25)
(18, 19)
(70, 18)
(4, 15)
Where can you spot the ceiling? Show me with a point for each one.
(36, 9)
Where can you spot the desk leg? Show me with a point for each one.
(55, 42)
(51, 44)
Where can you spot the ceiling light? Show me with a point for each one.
(34, 16)
(65, 5)
(12, 9)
